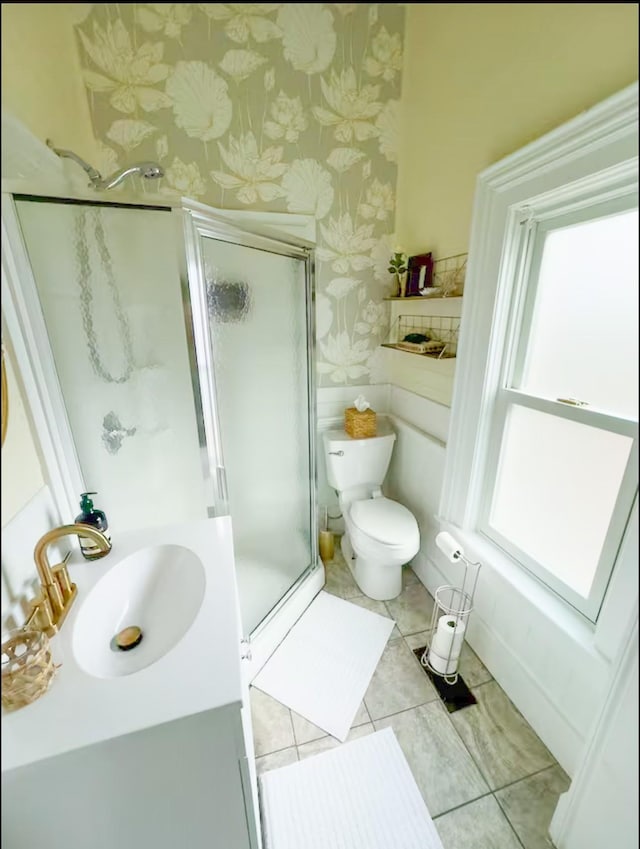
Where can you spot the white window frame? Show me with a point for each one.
(589, 161)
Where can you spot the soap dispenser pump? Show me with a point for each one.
(98, 520)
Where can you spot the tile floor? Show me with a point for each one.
(487, 779)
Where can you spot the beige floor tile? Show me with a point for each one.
(338, 578)
(398, 683)
(326, 743)
(412, 609)
(277, 759)
(529, 805)
(409, 577)
(376, 607)
(502, 743)
(472, 669)
(415, 641)
(272, 725)
(478, 825)
(306, 731)
(443, 769)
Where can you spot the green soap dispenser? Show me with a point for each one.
(98, 520)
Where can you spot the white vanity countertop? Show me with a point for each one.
(201, 672)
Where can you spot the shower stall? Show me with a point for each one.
(173, 354)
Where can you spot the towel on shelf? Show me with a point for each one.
(422, 347)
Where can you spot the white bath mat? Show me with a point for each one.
(359, 796)
(322, 668)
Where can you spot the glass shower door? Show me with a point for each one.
(258, 306)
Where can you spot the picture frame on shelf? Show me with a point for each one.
(419, 274)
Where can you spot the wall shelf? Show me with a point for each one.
(422, 298)
(433, 355)
(441, 329)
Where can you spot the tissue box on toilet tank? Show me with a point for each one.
(359, 425)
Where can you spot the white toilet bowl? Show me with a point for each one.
(381, 536)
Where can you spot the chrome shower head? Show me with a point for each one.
(148, 170)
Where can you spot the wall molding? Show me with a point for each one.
(587, 132)
(569, 816)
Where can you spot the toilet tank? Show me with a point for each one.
(357, 462)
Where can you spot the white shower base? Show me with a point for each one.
(277, 624)
(261, 585)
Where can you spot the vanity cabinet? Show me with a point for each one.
(157, 755)
(185, 783)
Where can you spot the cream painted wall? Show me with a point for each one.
(41, 79)
(482, 80)
(21, 471)
(42, 87)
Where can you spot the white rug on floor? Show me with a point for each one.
(322, 668)
(358, 796)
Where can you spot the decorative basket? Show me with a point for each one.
(359, 425)
(27, 668)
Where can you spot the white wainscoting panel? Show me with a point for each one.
(423, 413)
(332, 400)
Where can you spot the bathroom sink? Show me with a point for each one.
(153, 594)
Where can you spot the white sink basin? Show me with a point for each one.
(159, 590)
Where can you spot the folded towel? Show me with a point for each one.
(421, 347)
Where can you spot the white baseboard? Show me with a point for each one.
(519, 683)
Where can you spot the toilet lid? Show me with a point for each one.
(384, 520)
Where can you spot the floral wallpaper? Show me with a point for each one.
(272, 106)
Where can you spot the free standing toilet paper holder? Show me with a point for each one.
(451, 610)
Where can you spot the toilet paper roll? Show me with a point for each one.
(449, 546)
(446, 644)
(442, 665)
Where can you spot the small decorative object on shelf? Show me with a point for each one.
(419, 274)
(398, 267)
(446, 281)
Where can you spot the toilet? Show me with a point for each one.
(381, 535)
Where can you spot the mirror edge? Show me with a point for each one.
(5, 399)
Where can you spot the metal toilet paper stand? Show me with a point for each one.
(451, 610)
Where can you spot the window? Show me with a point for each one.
(552, 452)
(560, 475)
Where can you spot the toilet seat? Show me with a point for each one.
(384, 521)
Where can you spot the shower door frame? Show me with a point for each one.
(200, 221)
(25, 325)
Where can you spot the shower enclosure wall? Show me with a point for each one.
(175, 350)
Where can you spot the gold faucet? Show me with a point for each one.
(57, 594)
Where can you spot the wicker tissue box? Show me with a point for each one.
(359, 425)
